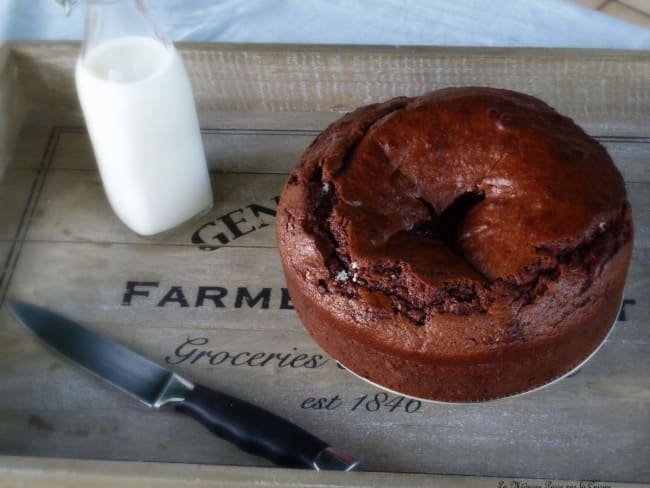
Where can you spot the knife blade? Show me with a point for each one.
(251, 428)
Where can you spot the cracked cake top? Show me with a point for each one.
(462, 201)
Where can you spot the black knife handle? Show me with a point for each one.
(260, 432)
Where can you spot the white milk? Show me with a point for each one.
(140, 113)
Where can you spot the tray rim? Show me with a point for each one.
(39, 470)
(48, 472)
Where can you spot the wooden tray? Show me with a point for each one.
(209, 298)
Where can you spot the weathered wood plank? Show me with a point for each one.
(90, 281)
(11, 106)
(606, 91)
(66, 216)
(5, 248)
(70, 215)
(15, 189)
(282, 358)
(92, 435)
(277, 150)
(631, 158)
(615, 379)
(632, 326)
(246, 200)
(72, 473)
(636, 288)
(78, 435)
(440, 427)
(30, 147)
(460, 438)
(227, 150)
(639, 197)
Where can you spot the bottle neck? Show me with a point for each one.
(107, 20)
(67, 5)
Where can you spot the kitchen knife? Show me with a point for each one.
(251, 428)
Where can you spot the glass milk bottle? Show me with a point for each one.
(139, 110)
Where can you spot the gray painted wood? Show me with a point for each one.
(267, 152)
(11, 106)
(15, 189)
(70, 216)
(277, 149)
(587, 84)
(264, 150)
(30, 147)
(5, 248)
(74, 473)
(260, 106)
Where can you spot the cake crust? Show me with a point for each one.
(468, 244)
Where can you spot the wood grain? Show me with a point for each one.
(15, 189)
(5, 248)
(32, 142)
(609, 392)
(249, 167)
(93, 288)
(277, 150)
(11, 105)
(227, 149)
(630, 157)
(92, 291)
(71, 473)
(588, 85)
(260, 106)
(70, 216)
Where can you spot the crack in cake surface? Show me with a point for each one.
(411, 296)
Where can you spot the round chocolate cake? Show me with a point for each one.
(464, 245)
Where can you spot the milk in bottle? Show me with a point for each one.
(139, 110)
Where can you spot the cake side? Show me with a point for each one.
(515, 370)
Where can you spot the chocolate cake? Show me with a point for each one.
(464, 245)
